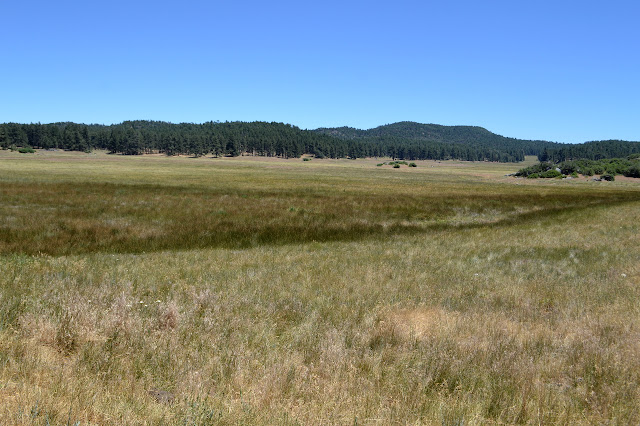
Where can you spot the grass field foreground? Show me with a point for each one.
(273, 291)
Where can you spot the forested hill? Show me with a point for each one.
(403, 141)
(413, 130)
(411, 134)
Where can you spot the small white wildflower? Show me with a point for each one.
(141, 302)
(157, 301)
(145, 305)
(623, 275)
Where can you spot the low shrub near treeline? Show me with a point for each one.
(21, 149)
(629, 167)
(397, 164)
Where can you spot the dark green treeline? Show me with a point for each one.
(271, 139)
(596, 150)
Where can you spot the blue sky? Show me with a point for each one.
(565, 71)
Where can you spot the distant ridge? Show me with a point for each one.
(428, 132)
(413, 130)
(411, 133)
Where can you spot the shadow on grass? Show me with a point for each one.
(106, 218)
(88, 240)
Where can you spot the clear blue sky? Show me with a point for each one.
(565, 71)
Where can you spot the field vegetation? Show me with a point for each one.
(155, 290)
(628, 167)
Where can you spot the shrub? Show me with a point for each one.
(306, 159)
(535, 169)
(380, 164)
(533, 176)
(633, 171)
(553, 173)
(396, 166)
(568, 168)
(26, 150)
(608, 177)
(412, 165)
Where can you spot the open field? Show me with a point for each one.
(278, 291)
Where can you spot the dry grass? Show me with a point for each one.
(460, 299)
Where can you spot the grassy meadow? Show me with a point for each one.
(271, 291)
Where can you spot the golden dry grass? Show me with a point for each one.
(469, 298)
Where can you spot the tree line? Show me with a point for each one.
(402, 142)
(596, 150)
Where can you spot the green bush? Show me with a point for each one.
(553, 173)
(633, 171)
(396, 166)
(568, 167)
(535, 169)
(608, 177)
(26, 150)
(413, 165)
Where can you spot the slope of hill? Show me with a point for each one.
(409, 132)
(413, 130)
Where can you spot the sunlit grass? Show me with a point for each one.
(443, 296)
